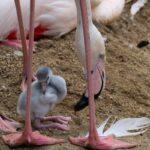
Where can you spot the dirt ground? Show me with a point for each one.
(127, 92)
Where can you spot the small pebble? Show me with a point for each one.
(18, 53)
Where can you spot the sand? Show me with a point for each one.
(127, 92)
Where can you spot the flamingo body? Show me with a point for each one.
(53, 18)
(108, 11)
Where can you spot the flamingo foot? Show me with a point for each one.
(23, 85)
(34, 138)
(58, 122)
(58, 119)
(15, 44)
(104, 143)
(8, 125)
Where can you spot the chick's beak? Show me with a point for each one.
(44, 86)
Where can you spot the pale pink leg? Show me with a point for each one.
(59, 126)
(99, 84)
(99, 78)
(23, 85)
(58, 119)
(8, 125)
(57, 122)
(14, 43)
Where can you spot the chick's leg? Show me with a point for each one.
(60, 125)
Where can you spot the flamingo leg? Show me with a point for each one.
(8, 125)
(99, 83)
(94, 141)
(27, 136)
(12, 43)
(58, 119)
(55, 125)
(24, 46)
(58, 122)
(17, 44)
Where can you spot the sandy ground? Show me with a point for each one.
(127, 92)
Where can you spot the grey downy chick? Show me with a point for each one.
(47, 91)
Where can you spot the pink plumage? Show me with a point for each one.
(53, 17)
(108, 11)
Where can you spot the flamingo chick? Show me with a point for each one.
(52, 18)
(47, 91)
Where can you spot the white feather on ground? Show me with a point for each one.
(124, 127)
(137, 6)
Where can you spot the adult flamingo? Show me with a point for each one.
(95, 66)
(52, 18)
(28, 136)
(106, 11)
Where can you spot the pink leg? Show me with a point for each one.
(27, 136)
(8, 125)
(59, 122)
(14, 43)
(94, 141)
(99, 84)
(25, 46)
(58, 119)
(23, 85)
(59, 126)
